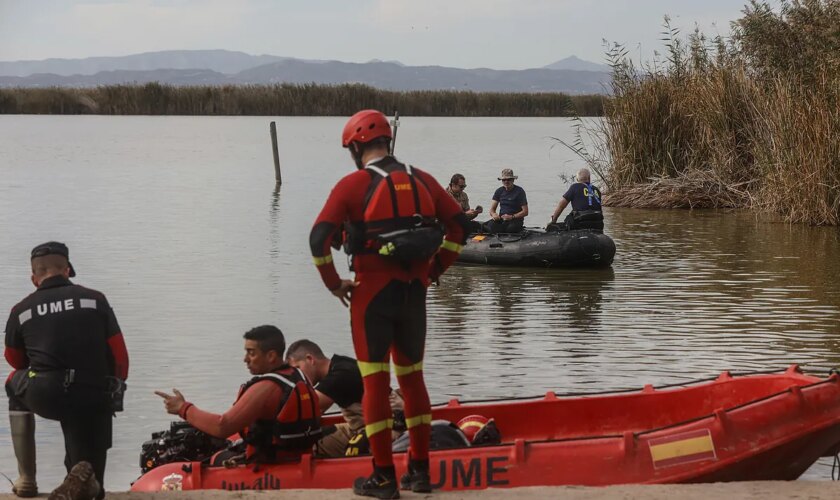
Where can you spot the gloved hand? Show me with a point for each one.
(435, 270)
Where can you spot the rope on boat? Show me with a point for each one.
(620, 391)
(830, 371)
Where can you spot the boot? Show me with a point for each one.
(22, 425)
(417, 478)
(79, 484)
(381, 484)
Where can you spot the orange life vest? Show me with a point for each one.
(297, 426)
(399, 216)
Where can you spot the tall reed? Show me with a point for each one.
(751, 121)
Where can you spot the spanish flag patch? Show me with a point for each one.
(682, 448)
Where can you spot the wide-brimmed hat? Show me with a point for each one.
(53, 248)
(507, 174)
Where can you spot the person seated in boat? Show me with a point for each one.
(512, 205)
(337, 380)
(586, 206)
(456, 190)
(276, 412)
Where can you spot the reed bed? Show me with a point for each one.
(750, 121)
(288, 100)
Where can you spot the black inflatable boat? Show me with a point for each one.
(538, 248)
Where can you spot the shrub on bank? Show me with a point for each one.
(751, 121)
(288, 100)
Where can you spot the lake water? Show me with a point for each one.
(177, 221)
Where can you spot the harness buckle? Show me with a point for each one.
(69, 377)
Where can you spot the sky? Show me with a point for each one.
(498, 34)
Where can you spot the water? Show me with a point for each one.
(175, 219)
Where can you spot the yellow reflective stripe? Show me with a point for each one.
(380, 426)
(418, 420)
(320, 261)
(405, 370)
(373, 368)
(451, 246)
(387, 249)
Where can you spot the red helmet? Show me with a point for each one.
(471, 424)
(365, 126)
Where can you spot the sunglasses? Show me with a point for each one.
(462, 186)
(507, 180)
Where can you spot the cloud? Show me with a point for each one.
(438, 13)
(136, 24)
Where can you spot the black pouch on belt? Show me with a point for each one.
(114, 393)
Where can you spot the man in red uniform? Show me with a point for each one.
(255, 413)
(388, 307)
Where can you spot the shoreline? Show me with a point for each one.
(285, 99)
(813, 490)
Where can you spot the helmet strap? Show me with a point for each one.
(356, 153)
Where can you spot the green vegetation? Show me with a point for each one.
(751, 121)
(288, 100)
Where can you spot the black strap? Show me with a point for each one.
(416, 194)
(393, 191)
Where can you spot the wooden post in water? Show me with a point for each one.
(277, 177)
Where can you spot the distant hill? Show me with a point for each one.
(170, 76)
(221, 67)
(222, 61)
(577, 64)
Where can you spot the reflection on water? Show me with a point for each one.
(690, 294)
(189, 266)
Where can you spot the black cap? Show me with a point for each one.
(53, 248)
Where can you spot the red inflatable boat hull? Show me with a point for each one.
(734, 428)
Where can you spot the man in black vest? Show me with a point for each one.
(70, 365)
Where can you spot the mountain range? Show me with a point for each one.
(222, 67)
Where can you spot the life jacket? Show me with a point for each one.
(444, 435)
(297, 425)
(399, 216)
(585, 219)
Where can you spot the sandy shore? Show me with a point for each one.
(811, 490)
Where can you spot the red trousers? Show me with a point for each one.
(388, 320)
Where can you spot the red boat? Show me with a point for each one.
(770, 426)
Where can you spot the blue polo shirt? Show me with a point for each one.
(510, 202)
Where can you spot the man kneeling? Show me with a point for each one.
(269, 434)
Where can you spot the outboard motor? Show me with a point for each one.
(181, 443)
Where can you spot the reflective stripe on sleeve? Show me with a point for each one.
(405, 370)
(451, 246)
(320, 261)
(418, 420)
(368, 368)
(380, 426)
